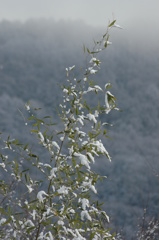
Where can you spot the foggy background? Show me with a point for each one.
(38, 40)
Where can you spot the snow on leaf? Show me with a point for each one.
(105, 215)
(91, 117)
(71, 68)
(84, 202)
(79, 236)
(97, 88)
(92, 71)
(29, 223)
(117, 26)
(80, 120)
(52, 173)
(30, 189)
(2, 221)
(106, 101)
(40, 196)
(63, 190)
(55, 145)
(108, 43)
(93, 59)
(85, 215)
(41, 137)
(83, 159)
(107, 85)
(60, 222)
(88, 184)
(65, 90)
(71, 231)
(33, 214)
(27, 107)
(50, 236)
(90, 156)
(101, 148)
(92, 89)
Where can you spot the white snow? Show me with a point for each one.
(93, 59)
(33, 214)
(40, 196)
(91, 89)
(65, 90)
(107, 85)
(70, 68)
(63, 190)
(109, 43)
(91, 117)
(84, 202)
(90, 186)
(90, 156)
(55, 145)
(52, 173)
(79, 119)
(85, 214)
(117, 26)
(41, 136)
(30, 189)
(3, 220)
(101, 148)
(83, 159)
(79, 236)
(106, 101)
(98, 88)
(27, 107)
(60, 222)
(92, 71)
(29, 223)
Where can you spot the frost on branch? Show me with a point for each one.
(52, 195)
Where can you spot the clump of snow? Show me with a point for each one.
(71, 68)
(40, 196)
(60, 222)
(52, 173)
(91, 117)
(41, 137)
(27, 107)
(83, 159)
(84, 202)
(2, 221)
(63, 190)
(96, 88)
(92, 71)
(85, 215)
(101, 148)
(30, 189)
(55, 145)
(90, 156)
(89, 185)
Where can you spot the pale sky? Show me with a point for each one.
(140, 18)
(91, 11)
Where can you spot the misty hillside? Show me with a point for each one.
(33, 58)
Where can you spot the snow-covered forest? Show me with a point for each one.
(33, 59)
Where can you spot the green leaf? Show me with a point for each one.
(88, 50)
(33, 155)
(16, 166)
(34, 131)
(104, 132)
(84, 49)
(31, 118)
(76, 110)
(111, 24)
